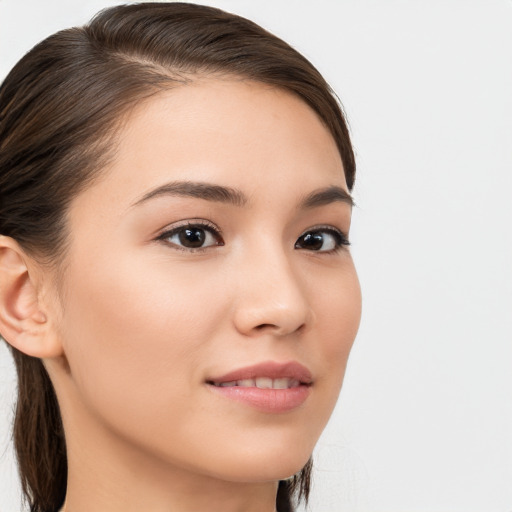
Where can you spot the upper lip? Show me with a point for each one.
(270, 369)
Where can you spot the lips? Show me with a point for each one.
(292, 371)
(269, 387)
(261, 383)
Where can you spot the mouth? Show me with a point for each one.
(260, 383)
(268, 387)
(266, 375)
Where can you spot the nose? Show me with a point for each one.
(271, 297)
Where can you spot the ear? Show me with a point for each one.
(24, 320)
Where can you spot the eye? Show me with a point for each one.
(192, 236)
(322, 240)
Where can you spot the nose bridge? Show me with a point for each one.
(271, 294)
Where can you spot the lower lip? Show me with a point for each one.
(266, 400)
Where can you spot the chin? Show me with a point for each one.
(265, 468)
(281, 471)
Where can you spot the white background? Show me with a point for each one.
(424, 422)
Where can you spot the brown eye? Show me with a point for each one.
(311, 241)
(322, 240)
(192, 236)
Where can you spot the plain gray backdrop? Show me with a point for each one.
(424, 421)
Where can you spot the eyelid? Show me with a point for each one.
(189, 222)
(169, 231)
(341, 235)
(174, 228)
(326, 227)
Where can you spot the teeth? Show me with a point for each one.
(262, 383)
(281, 383)
(227, 384)
(246, 383)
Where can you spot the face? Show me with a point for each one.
(208, 264)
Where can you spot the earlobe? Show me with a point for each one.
(24, 324)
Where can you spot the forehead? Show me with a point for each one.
(232, 132)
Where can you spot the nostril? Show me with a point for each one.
(261, 327)
(276, 329)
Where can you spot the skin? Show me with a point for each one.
(137, 324)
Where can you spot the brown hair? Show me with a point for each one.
(60, 107)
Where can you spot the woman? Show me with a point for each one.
(176, 285)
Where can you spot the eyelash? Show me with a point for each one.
(203, 225)
(340, 238)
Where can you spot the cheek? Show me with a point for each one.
(342, 314)
(133, 331)
(338, 313)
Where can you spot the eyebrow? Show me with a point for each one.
(328, 195)
(200, 190)
(229, 195)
